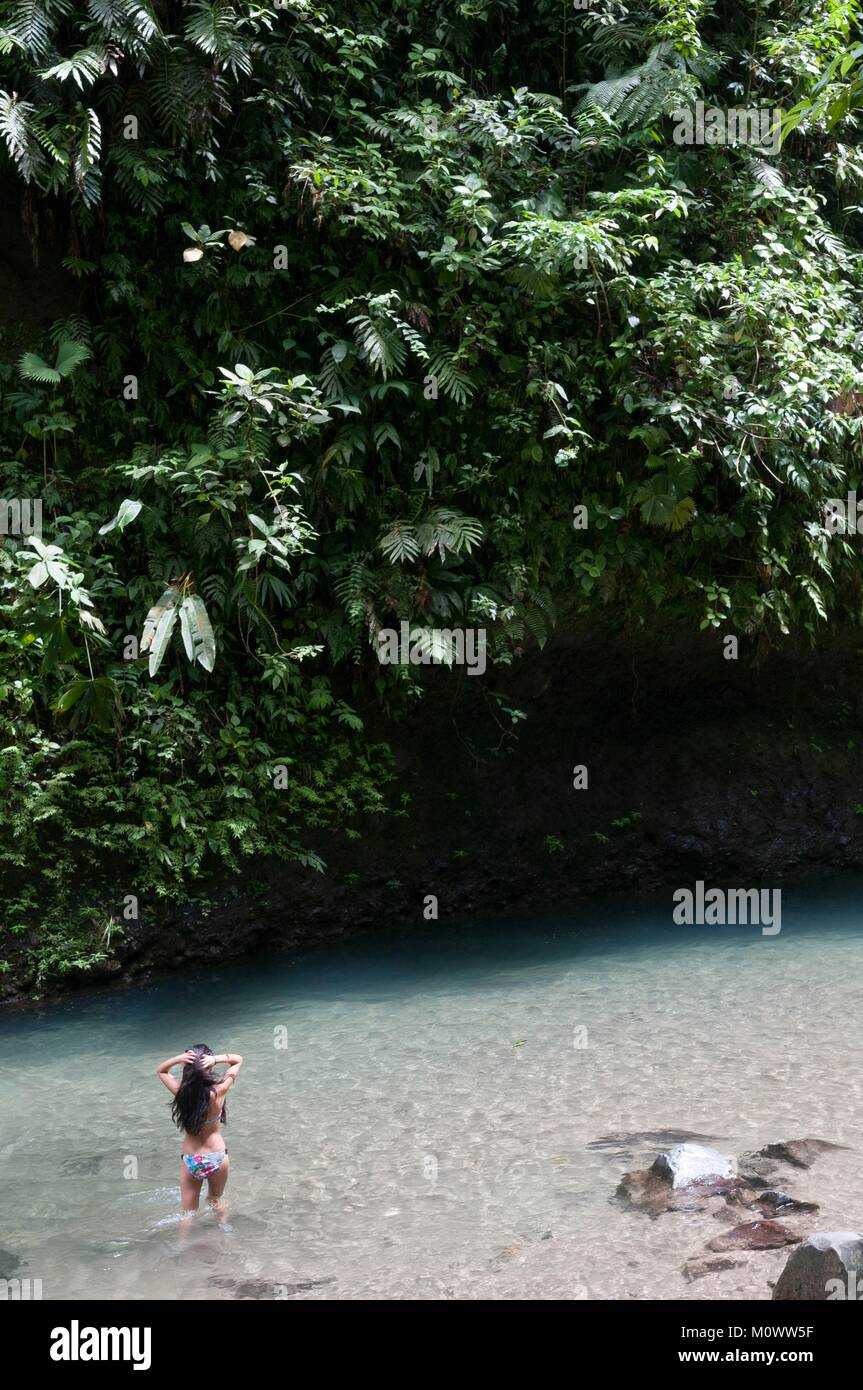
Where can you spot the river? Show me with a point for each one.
(438, 1111)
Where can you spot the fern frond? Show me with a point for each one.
(19, 125)
(454, 382)
(379, 346)
(33, 23)
(655, 88)
(84, 67)
(213, 29)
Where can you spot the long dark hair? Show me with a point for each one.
(192, 1102)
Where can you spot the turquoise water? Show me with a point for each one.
(450, 1114)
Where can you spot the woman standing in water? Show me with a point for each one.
(199, 1110)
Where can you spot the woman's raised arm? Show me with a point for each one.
(163, 1070)
(234, 1061)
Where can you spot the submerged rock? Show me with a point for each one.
(825, 1257)
(800, 1153)
(265, 1288)
(645, 1190)
(653, 1194)
(627, 1140)
(797, 1153)
(691, 1177)
(689, 1163)
(775, 1203)
(697, 1269)
(755, 1235)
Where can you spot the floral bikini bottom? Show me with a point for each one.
(205, 1165)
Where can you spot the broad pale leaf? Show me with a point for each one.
(186, 629)
(154, 617)
(126, 513)
(202, 631)
(162, 637)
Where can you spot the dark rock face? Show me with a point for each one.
(692, 713)
(755, 1235)
(826, 1266)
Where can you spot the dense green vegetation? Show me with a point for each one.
(365, 300)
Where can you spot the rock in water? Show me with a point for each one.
(797, 1153)
(800, 1153)
(814, 1265)
(775, 1203)
(697, 1269)
(645, 1190)
(754, 1235)
(688, 1163)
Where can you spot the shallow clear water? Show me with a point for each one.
(451, 1113)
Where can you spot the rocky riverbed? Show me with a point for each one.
(754, 1199)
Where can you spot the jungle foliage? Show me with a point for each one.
(366, 299)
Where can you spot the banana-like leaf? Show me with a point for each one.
(186, 629)
(154, 617)
(161, 637)
(198, 632)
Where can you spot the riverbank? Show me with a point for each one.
(636, 767)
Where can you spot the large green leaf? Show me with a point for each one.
(35, 368)
(97, 701)
(69, 356)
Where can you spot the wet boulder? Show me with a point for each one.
(755, 1235)
(772, 1202)
(689, 1163)
(653, 1194)
(646, 1190)
(829, 1265)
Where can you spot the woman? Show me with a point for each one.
(199, 1110)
